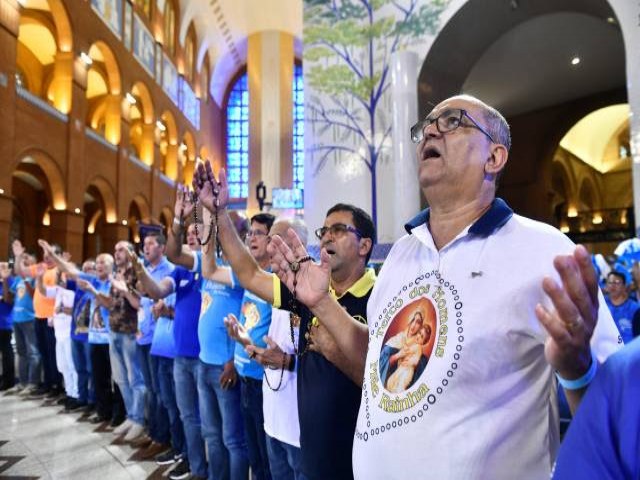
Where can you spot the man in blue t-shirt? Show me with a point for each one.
(6, 326)
(602, 441)
(20, 294)
(217, 389)
(186, 285)
(625, 312)
(250, 329)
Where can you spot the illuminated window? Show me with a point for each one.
(298, 128)
(238, 139)
(170, 27)
(189, 57)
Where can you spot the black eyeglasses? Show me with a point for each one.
(337, 229)
(447, 121)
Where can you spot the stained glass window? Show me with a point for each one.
(238, 139)
(298, 128)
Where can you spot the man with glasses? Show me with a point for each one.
(328, 385)
(510, 301)
(625, 312)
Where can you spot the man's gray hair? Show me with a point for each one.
(497, 125)
(299, 226)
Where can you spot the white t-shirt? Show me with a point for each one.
(280, 408)
(61, 321)
(481, 402)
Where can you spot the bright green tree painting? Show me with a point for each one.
(348, 47)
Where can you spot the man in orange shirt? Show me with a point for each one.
(44, 309)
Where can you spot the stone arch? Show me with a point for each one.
(105, 56)
(142, 127)
(108, 195)
(52, 172)
(166, 217)
(589, 195)
(169, 145)
(142, 95)
(188, 157)
(143, 206)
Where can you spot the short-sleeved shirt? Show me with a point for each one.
(6, 322)
(61, 321)
(218, 301)
(255, 316)
(602, 441)
(99, 322)
(163, 344)
(328, 401)
(147, 323)
(44, 306)
(22, 300)
(624, 315)
(186, 286)
(81, 312)
(123, 317)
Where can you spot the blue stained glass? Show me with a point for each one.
(238, 138)
(298, 128)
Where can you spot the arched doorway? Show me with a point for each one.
(544, 65)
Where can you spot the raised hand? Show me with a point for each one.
(5, 271)
(571, 323)
(46, 248)
(17, 248)
(40, 269)
(119, 284)
(311, 279)
(157, 309)
(184, 203)
(236, 330)
(270, 357)
(213, 194)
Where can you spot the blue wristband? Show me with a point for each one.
(584, 380)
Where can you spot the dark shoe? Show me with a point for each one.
(63, 401)
(168, 458)
(39, 392)
(55, 392)
(74, 404)
(143, 442)
(181, 471)
(89, 408)
(153, 450)
(98, 419)
(117, 421)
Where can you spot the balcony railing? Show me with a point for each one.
(40, 103)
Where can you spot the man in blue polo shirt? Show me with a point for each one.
(6, 330)
(186, 285)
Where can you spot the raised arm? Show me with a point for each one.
(176, 253)
(153, 289)
(214, 196)
(210, 268)
(5, 274)
(67, 267)
(312, 289)
(18, 258)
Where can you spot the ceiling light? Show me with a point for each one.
(597, 219)
(161, 126)
(131, 99)
(572, 212)
(575, 61)
(77, 210)
(611, 21)
(1, 191)
(124, 222)
(565, 228)
(183, 147)
(86, 59)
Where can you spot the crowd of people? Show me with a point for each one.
(236, 352)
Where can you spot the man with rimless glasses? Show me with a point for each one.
(513, 305)
(329, 385)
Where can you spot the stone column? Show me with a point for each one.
(270, 61)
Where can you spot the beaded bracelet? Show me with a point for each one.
(584, 380)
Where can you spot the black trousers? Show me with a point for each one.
(109, 401)
(8, 365)
(46, 339)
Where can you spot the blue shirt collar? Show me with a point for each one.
(494, 218)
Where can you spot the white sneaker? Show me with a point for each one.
(134, 432)
(122, 428)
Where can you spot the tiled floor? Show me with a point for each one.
(38, 441)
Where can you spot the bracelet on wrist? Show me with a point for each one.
(178, 221)
(584, 380)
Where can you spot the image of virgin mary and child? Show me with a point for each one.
(402, 358)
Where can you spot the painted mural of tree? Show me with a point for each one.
(348, 47)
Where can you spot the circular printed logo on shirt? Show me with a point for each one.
(418, 337)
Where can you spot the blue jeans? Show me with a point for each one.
(185, 376)
(251, 395)
(82, 362)
(168, 397)
(284, 460)
(28, 354)
(127, 374)
(157, 418)
(222, 428)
